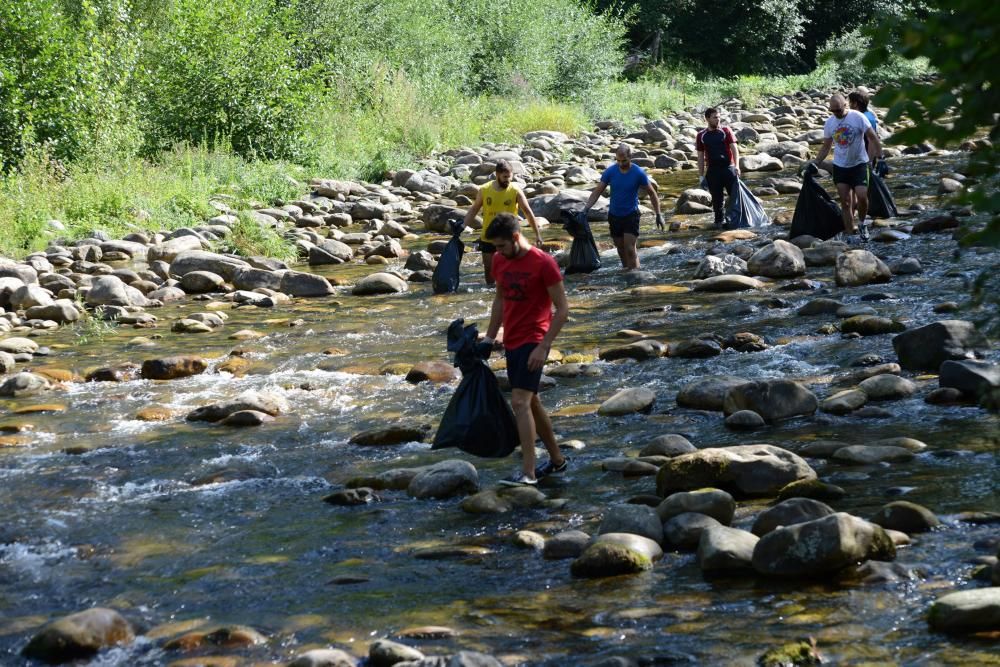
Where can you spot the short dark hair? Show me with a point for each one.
(710, 110)
(503, 227)
(860, 99)
(504, 166)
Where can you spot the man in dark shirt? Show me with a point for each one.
(718, 160)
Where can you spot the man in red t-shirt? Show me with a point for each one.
(718, 160)
(528, 285)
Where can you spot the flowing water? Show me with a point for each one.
(183, 525)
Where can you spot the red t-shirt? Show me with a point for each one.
(527, 307)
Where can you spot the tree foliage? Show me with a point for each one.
(961, 39)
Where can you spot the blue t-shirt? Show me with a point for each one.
(872, 119)
(624, 188)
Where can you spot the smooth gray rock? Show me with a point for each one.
(669, 444)
(789, 512)
(715, 503)
(567, 544)
(972, 378)
(299, 283)
(723, 550)
(79, 636)
(683, 531)
(708, 393)
(444, 480)
(906, 517)
(380, 283)
(821, 546)
(860, 267)
(779, 259)
(963, 612)
(926, 348)
(633, 519)
(773, 400)
(744, 470)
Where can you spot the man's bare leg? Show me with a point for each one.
(844, 191)
(521, 402)
(543, 426)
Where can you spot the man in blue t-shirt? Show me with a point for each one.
(626, 179)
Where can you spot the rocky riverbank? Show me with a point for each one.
(727, 504)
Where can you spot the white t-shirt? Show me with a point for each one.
(848, 134)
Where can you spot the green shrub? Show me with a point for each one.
(226, 68)
(249, 237)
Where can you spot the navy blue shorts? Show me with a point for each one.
(624, 224)
(517, 368)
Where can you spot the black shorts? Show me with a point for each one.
(517, 368)
(624, 224)
(856, 176)
(486, 247)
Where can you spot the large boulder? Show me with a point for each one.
(60, 310)
(683, 531)
(972, 378)
(171, 368)
(169, 249)
(202, 282)
(860, 267)
(821, 546)
(613, 554)
(111, 291)
(429, 182)
(628, 401)
(773, 400)
(760, 162)
(744, 470)
(963, 612)
(198, 260)
(300, 283)
(634, 519)
(727, 283)
(713, 265)
(926, 348)
(330, 252)
(715, 503)
(694, 201)
(723, 550)
(444, 480)
(380, 283)
(789, 512)
(79, 636)
(780, 259)
(260, 401)
(29, 296)
(708, 393)
(24, 384)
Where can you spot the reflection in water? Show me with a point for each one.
(176, 522)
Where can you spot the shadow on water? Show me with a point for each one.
(181, 523)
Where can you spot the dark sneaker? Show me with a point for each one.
(518, 479)
(547, 468)
(863, 233)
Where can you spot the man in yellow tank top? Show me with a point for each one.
(499, 196)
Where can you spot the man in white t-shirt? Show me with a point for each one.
(845, 131)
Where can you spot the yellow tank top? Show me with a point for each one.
(496, 201)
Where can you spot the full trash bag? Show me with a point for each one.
(583, 255)
(745, 210)
(478, 419)
(880, 201)
(446, 273)
(816, 213)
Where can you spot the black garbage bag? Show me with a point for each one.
(745, 210)
(583, 254)
(816, 213)
(478, 419)
(880, 201)
(446, 273)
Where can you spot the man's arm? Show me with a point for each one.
(522, 202)
(876, 143)
(473, 211)
(595, 195)
(496, 316)
(654, 197)
(736, 157)
(824, 150)
(539, 355)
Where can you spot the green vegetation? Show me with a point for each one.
(131, 115)
(250, 238)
